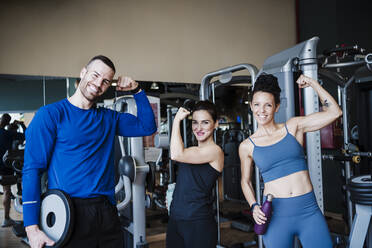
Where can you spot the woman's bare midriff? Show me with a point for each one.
(295, 184)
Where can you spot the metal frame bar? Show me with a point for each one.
(138, 224)
(204, 88)
(346, 144)
(360, 226)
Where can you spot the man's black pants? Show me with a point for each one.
(97, 224)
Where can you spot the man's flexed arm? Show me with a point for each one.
(144, 123)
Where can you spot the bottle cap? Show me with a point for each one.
(270, 197)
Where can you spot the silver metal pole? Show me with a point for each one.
(313, 146)
(184, 129)
(170, 164)
(339, 95)
(139, 192)
(308, 65)
(258, 187)
(346, 142)
(217, 184)
(346, 64)
(44, 100)
(138, 186)
(258, 182)
(67, 87)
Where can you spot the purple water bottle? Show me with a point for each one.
(267, 209)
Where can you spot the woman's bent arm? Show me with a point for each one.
(315, 121)
(193, 155)
(245, 149)
(246, 172)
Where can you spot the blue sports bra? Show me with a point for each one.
(280, 159)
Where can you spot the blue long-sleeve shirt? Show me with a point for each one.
(76, 147)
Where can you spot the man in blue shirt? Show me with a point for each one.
(73, 141)
(6, 140)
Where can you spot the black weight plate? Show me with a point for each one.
(363, 181)
(361, 197)
(359, 190)
(362, 202)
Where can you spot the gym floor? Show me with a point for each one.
(230, 236)
(7, 238)
(156, 228)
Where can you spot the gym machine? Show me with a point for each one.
(303, 57)
(13, 159)
(359, 188)
(133, 170)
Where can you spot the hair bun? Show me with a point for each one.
(268, 83)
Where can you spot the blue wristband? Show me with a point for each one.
(253, 205)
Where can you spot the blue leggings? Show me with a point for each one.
(297, 216)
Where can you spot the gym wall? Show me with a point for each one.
(20, 94)
(336, 22)
(163, 40)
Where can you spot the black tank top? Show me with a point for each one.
(192, 197)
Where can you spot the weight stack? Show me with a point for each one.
(360, 188)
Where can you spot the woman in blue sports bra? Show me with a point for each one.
(191, 223)
(276, 149)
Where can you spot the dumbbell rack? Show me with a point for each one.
(360, 188)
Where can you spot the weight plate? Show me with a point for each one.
(56, 216)
(363, 181)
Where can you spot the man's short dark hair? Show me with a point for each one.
(105, 60)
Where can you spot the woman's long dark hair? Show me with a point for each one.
(207, 106)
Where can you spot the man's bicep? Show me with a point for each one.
(127, 125)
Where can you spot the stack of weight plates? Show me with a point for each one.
(360, 188)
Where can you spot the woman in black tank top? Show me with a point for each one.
(191, 223)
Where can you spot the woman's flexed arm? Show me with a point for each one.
(176, 142)
(330, 112)
(194, 154)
